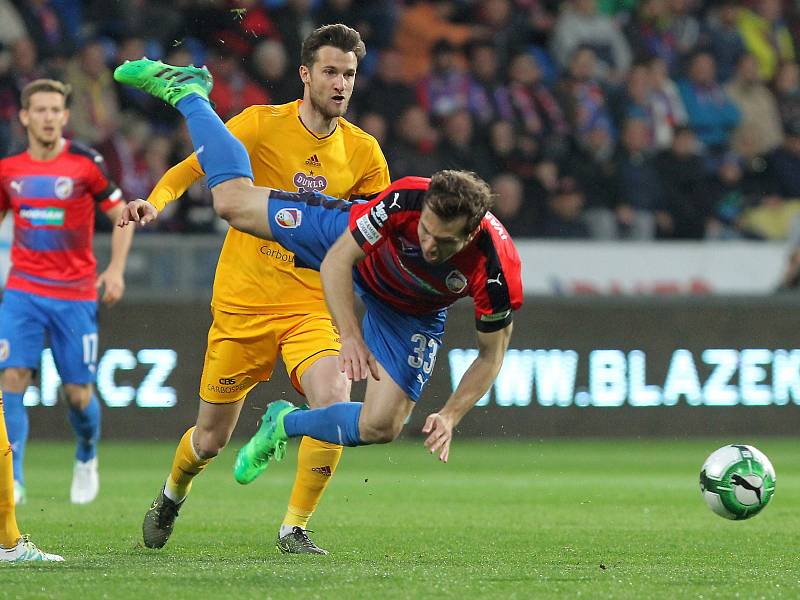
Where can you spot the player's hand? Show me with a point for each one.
(440, 432)
(114, 284)
(356, 361)
(139, 211)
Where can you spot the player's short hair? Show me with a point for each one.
(339, 36)
(453, 194)
(44, 85)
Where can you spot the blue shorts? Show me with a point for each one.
(71, 326)
(308, 224)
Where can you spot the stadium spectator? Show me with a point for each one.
(12, 27)
(635, 99)
(541, 17)
(712, 114)
(766, 36)
(387, 93)
(651, 33)
(729, 198)
(724, 37)
(233, 89)
(459, 147)
(684, 26)
(760, 124)
(580, 25)
(488, 95)
(666, 104)
(419, 27)
(503, 26)
(784, 163)
(640, 193)
(294, 21)
(534, 107)
(584, 97)
(685, 193)
(245, 25)
(592, 166)
(414, 148)
(516, 212)
(502, 142)
(45, 26)
(787, 92)
(269, 65)
(95, 106)
(375, 125)
(447, 87)
(564, 215)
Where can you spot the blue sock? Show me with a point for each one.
(221, 155)
(336, 424)
(17, 426)
(86, 424)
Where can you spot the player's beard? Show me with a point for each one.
(322, 106)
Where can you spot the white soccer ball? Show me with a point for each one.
(737, 481)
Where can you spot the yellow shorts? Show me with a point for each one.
(242, 350)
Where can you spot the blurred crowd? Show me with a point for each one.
(605, 119)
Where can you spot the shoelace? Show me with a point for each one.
(301, 535)
(167, 513)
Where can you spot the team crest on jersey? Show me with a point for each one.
(456, 281)
(309, 183)
(63, 188)
(5, 349)
(289, 218)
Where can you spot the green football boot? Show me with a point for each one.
(269, 442)
(164, 81)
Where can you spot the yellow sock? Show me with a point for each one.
(9, 532)
(316, 463)
(185, 467)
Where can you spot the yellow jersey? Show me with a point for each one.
(255, 276)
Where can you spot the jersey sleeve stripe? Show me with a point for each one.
(498, 294)
(110, 192)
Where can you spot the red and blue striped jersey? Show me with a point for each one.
(487, 269)
(53, 203)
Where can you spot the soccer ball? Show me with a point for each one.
(737, 481)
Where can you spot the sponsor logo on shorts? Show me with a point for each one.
(309, 183)
(226, 381)
(277, 254)
(64, 187)
(42, 216)
(5, 350)
(456, 281)
(495, 317)
(289, 218)
(225, 389)
(326, 470)
(368, 230)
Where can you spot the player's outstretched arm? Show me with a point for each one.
(137, 211)
(473, 385)
(336, 272)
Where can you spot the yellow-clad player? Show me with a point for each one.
(14, 547)
(263, 303)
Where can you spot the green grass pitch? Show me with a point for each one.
(505, 519)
